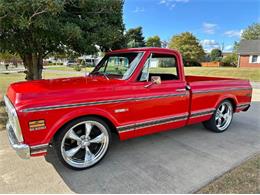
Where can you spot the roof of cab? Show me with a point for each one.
(152, 49)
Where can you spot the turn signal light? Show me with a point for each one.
(37, 125)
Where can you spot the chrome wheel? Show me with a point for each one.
(85, 144)
(223, 116)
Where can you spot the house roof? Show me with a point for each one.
(247, 47)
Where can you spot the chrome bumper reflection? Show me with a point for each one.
(22, 150)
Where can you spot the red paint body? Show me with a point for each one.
(205, 93)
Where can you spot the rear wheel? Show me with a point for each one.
(222, 117)
(83, 143)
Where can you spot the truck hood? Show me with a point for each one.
(59, 91)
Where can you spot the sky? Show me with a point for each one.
(214, 22)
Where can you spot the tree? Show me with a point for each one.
(33, 28)
(252, 32)
(189, 46)
(134, 37)
(154, 41)
(235, 47)
(215, 54)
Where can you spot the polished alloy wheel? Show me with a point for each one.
(223, 116)
(85, 144)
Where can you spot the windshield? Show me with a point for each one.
(120, 65)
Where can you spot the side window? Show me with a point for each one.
(164, 66)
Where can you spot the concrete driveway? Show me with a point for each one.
(178, 161)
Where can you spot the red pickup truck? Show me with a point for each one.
(131, 92)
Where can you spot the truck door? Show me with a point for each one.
(162, 101)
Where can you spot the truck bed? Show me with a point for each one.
(207, 92)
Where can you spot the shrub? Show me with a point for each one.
(191, 63)
(77, 68)
(230, 60)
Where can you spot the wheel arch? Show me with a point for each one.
(231, 98)
(66, 119)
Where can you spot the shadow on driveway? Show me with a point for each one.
(178, 161)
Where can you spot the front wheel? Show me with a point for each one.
(83, 142)
(222, 117)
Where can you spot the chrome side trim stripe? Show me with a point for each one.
(132, 127)
(221, 90)
(202, 113)
(45, 108)
(152, 123)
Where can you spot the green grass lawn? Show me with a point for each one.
(244, 179)
(66, 68)
(6, 79)
(252, 74)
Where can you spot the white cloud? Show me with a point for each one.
(182, 1)
(208, 45)
(233, 33)
(228, 48)
(209, 28)
(138, 10)
(172, 3)
(163, 1)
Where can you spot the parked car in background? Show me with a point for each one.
(90, 62)
(131, 92)
(70, 63)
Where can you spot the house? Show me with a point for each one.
(249, 53)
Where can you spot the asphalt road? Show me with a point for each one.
(177, 161)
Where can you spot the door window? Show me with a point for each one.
(164, 66)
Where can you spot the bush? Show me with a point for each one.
(191, 63)
(77, 68)
(230, 60)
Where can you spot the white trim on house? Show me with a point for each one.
(257, 59)
(238, 61)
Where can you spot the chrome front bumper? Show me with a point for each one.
(21, 149)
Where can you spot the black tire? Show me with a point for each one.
(212, 125)
(60, 136)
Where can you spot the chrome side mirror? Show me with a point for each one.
(155, 80)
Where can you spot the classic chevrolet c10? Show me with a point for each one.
(131, 92)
